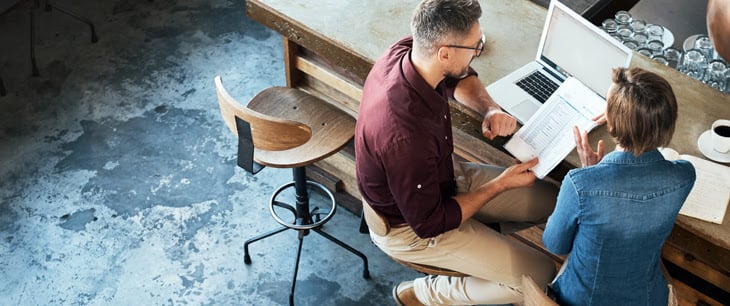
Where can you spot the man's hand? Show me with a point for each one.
(518, 175)
(588, 157)
(498, 123)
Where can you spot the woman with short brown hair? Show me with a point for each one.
(614, 214)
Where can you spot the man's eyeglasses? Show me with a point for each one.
(477, 50)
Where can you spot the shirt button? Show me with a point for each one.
(446, 137)
(419, 186)
(444, 116)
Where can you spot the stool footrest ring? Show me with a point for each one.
(273, 202)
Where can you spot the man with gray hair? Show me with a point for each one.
(437, 207)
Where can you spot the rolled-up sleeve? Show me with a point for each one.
(563, 223)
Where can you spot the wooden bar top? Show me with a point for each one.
(353, 34)
(367, 28)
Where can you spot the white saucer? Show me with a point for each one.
(667, 38)
(705, 145)
(689, 43)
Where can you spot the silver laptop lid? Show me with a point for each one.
(572, 46)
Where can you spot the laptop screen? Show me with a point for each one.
(575, 47)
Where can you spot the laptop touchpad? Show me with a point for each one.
(525, 109)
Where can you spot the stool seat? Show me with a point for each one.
(533, 294)
(330, 128)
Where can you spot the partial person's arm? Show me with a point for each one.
(718, 26)
(471, 92)
(563, 223)
(513, 177)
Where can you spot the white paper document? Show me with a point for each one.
(710, 195)
(548, 134)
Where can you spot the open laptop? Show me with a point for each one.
(569, 46)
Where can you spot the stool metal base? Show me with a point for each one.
(303, 222)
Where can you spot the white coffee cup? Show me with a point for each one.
(720, 135)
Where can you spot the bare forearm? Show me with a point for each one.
(472, 201)
(515, 176)
(471, 92)
(495, 122)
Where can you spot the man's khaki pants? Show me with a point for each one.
(494, 263)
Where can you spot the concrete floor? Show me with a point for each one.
(119, 184)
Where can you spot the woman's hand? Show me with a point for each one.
(588, 157)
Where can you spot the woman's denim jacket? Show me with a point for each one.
(613, 219)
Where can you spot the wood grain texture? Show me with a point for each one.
(534, 295)
(313, 129)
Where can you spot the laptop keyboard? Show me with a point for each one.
(538, 86)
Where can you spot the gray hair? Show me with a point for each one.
(435, 21)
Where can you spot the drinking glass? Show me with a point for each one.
(632, 44)
(704, 44)
(655, 31)
(717, 75)
(610, 26)
(673, 56)
(616, 36)
(639, 26)
(694, 64)
(623, 18)
(625, 32)
(656, 46)
(640, 39)
(660, 59)
(645, 51)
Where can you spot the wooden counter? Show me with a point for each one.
(331, 45)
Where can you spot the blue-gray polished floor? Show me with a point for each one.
(118, 179)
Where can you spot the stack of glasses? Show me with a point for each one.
(698, 58)
(701, 62)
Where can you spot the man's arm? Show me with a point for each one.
(518, 175)
(718, 26)
(471, 92)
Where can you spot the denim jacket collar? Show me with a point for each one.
(622, 157)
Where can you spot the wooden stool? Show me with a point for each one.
(289, 128)
(534, 296)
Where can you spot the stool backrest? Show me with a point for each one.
(268, 132)
(534, 295)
